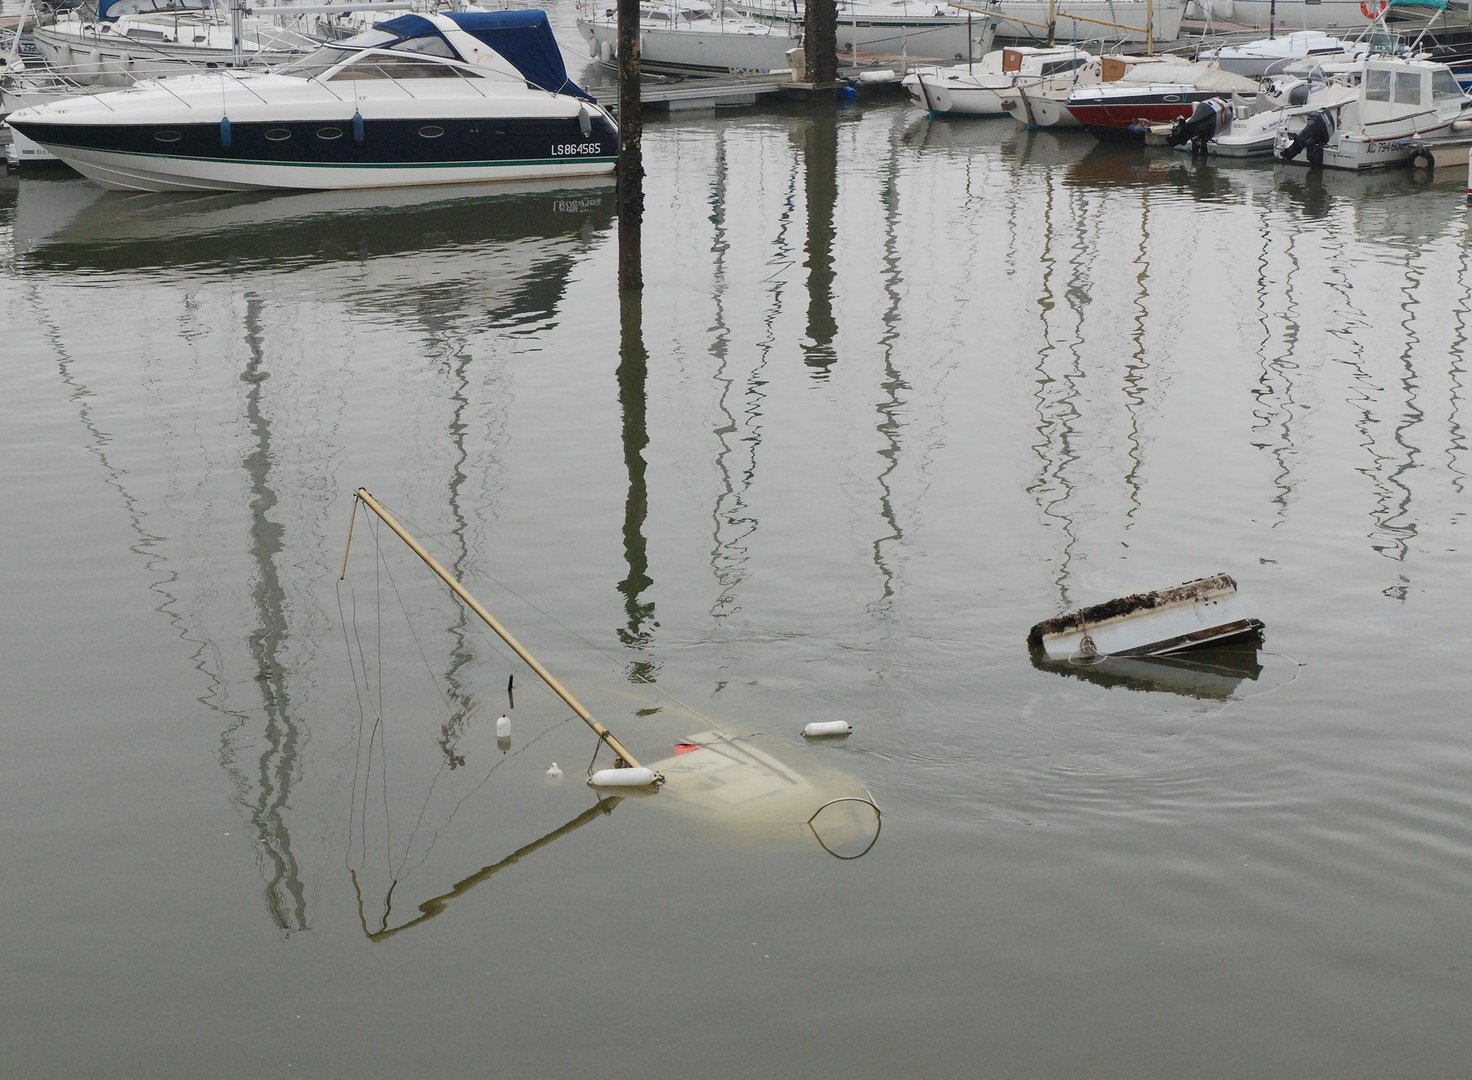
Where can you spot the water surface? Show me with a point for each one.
(897, 390)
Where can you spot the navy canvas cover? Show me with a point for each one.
(524, 38)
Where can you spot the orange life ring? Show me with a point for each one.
(1373, 9)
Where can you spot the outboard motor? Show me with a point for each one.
(1311, 138)
(1208, 119)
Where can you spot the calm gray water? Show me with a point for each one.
(909, 388)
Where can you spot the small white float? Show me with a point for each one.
(821, 729)
(631, 777)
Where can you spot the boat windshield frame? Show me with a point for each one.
(1441, 91)
(331, 58)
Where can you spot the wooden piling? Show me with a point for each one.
(630, 150)
(820, 42)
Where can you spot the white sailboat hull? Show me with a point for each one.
(1164, 19)
(1292, 14)
(101, 58)
(695, 52)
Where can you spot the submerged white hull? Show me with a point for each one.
(143, 172)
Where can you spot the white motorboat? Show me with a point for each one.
(1254, 120)
(985, 88)
(1396, 100)
(1257, 58)
(893, 28)
(433, 99)
(126, 40)
(689, 37)
(21, 88)
(1112, 21)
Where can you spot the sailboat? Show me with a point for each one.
(122, 41)
(893, 28)
(689, 37)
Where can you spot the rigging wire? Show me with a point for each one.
(613, 660)
(377, 733)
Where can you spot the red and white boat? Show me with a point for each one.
(1151, 94)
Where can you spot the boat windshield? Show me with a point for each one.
(1377, 84)
(1387, 44)
(318, 62)
(1053, 67)
(1444, 85)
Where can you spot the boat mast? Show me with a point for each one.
(237, 20)
(361, 496)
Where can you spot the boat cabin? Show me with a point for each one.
(1033, 60)
(1393, 88)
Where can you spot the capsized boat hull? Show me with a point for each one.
(1206, 612)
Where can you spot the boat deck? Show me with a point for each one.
(678, 95)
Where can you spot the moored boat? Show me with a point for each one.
(1083, 21)
(1395, 101)
(1151, 94)
(1262, 56)
(1045, 103)
(985, 88)
(122, 41)
(1255, 120)
(689, 37)
(432, 99)
(893, 28)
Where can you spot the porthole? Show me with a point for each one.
(278, 134)
(429, 131)
(329, 133)
(166, 136)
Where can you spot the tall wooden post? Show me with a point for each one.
(630, 150)
(820, 41)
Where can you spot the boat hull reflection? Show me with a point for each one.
(1213, 674)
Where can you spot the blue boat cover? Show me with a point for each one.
(524, 38)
